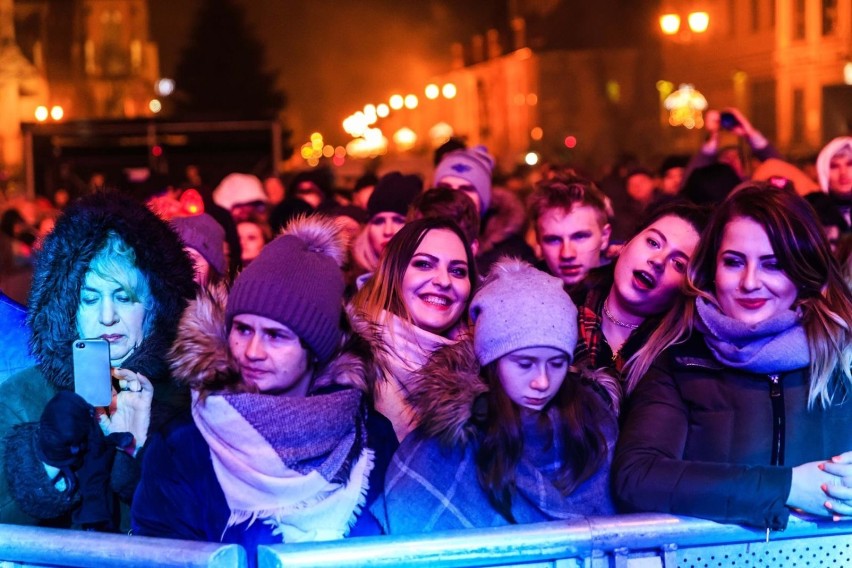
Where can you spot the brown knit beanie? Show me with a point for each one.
(296, 280)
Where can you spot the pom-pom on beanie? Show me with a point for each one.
(474, 165)
(519, 306)
(236, 189)
(204, 234)
(297, 281)
(394, 192)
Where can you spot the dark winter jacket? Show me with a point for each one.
(698, 439)
(432, 483)
(27, 496)
(179, 495)
(503, 231)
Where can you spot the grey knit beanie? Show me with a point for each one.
(474, 165)
(204, 234)
(296, 280)
(519, 306)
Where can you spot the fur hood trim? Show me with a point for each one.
(201, 359)
(62, 263)
(444, 394)
(321, 234)
(507, 217)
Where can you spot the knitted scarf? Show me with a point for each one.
(299, 464)
(405, 349)
(774, 345)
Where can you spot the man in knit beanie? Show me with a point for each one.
(296, 281)
(469, 171)
(204, 240)
(518, 307)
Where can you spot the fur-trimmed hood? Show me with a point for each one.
(506, 217)
(63, 261)
(201, 359)
(446, 393)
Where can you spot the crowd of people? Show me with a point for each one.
(411, 355)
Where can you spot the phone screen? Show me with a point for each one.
(92, 371)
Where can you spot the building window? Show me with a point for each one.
(829, 17)
(798, 116)
(755, 15)
(732, 17)
(799, 19)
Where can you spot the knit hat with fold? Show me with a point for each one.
(518, 307)
(296, 280)
(473, 165)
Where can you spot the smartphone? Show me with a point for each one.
(728, 121)
(92, 371)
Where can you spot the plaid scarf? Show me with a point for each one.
(300, 464)
(592, 349)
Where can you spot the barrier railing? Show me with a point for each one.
(596, 542)
(60, 547)
(620, 541)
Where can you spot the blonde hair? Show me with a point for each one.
(116, 261)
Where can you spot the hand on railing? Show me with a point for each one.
(806, 492)
(839, 489)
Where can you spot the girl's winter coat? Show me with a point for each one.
(432, 481)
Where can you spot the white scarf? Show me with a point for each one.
(405, 349)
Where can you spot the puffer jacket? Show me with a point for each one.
(27, 495)
(704, 440)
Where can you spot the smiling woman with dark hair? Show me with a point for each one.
(415, 302)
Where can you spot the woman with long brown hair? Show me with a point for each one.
(741, 407)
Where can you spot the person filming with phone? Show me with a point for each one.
(108, 289)
(730, 120)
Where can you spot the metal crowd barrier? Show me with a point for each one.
(35, 546)
(624, 541)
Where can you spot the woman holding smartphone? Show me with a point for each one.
(110, 270)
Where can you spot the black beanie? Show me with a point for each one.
(395, 193)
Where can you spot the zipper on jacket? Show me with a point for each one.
(776, 396)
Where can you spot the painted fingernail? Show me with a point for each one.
(836, 517)
(824, 487)
(821, 466)
(828, 505)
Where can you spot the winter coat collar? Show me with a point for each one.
(201, 359)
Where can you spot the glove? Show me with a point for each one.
(96, 508)
(64, 428)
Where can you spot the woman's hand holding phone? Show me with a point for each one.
(130, 410)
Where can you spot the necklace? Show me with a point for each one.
(617, 322)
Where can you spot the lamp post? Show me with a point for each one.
(697, 23)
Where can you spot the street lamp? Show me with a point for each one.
(697, 21)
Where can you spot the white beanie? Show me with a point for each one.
(518, 307)
(236, 189)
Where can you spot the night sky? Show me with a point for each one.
(335, 57)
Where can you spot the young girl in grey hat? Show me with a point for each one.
(508, 433)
